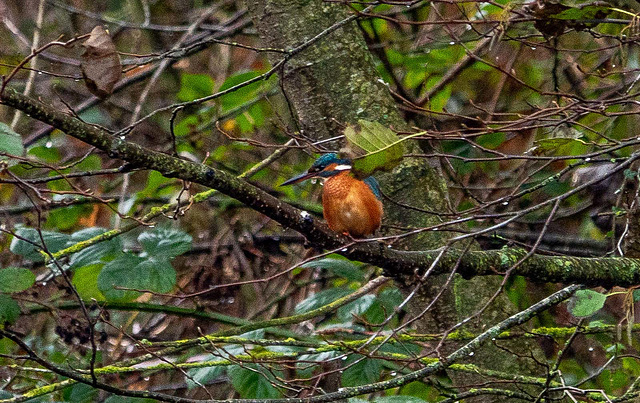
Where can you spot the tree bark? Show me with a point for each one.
(334, 82)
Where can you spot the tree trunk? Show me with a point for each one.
(334, 82)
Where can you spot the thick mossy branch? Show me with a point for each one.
(605, 272)
(397, 264)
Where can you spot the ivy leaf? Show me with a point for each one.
(130, 271)
(321, 298)
(15, 279)
(9, 309)
(586, 303)
(165, 242)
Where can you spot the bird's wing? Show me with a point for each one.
(374, 186)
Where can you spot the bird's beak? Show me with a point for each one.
(299, 178)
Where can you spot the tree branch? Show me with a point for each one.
(397, 264)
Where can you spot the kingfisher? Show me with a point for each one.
(349, 205)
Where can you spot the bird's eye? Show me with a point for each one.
(314, 169)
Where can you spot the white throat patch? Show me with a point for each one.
(342, 167)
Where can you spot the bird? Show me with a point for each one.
(349, 205)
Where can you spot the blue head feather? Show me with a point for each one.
(327, 159)
(324, 161)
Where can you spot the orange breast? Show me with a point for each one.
(350, 206)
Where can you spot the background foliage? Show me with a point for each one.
(121, 284)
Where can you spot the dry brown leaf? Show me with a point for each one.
(101, 66)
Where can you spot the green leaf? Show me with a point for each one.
(16, 279)
(587, 302)
(560, 146)
(9, 309)
(165, 242)
(80, 393)
(194, 86)
(401, 347)
(10, 141)
(305, 365)
(90, 163)
(44, 153)
(614, 380)
(321, 298)
(253, 383)
(85, 233)
(204, 375)
(615, 348)
(374, 146)
(187, 125)
(67, 217)
(414, 78)
(53, 240)
(358, 307)
(244, 94)
(96, 253)
(384, 305)
(130, 271)
(340, 267)
(85, 279)
(156, 186)
(366, 371)
(439, 101)
(390, 298)
(121, 271)
(492, 140)
(584, 13)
